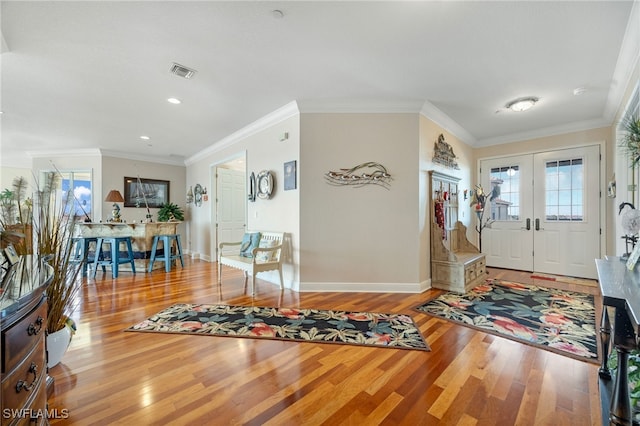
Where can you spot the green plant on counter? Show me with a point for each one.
(170, 212)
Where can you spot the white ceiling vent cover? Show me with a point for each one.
(182, 71)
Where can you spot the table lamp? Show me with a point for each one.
(115, 197)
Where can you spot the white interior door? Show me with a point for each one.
(508, 241)
(567, 211)
(231, 204)
(545, 211)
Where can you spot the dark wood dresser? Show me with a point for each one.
(23, 322)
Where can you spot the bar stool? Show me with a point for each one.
(80, 252)
(167, 255)
(114, 250)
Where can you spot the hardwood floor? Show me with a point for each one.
(109, 376)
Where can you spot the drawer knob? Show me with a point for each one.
(22, 384)
(34, 328)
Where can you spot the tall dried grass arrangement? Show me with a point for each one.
(53, 230)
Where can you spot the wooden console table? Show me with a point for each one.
(620, 290)
(141, 237)
(23, 321)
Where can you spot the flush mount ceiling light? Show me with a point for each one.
(174, 101)
(522, 104)
(146, 138)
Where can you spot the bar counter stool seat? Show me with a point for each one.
(115, 258)
(81, 252)
(167, 255)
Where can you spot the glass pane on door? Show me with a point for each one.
(564, 188)
(504, 195)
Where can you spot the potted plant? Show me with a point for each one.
(630, 140)
(170, 212)
(51, 232)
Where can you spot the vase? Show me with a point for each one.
(57, 344)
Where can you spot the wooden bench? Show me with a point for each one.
(267, 258)
(459, 266)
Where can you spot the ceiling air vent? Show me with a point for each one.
(182, 71)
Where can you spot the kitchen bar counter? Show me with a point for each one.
(141, 237)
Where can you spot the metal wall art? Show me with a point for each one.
(369, 173)
(443, 154)
(252, 188)
(197, 194)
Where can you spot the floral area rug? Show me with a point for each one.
(557, 320)
(299, 325)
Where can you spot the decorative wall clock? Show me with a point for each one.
(265, 184)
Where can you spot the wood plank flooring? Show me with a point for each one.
(109, 376)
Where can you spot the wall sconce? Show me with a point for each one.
(115, 197)
(190, 195)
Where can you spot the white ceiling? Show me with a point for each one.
(95, 75)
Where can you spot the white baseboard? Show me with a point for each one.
(366, 287)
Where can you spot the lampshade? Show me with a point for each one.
(114, 196)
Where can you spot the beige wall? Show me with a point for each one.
(8, 174)
(115, 170)
(357, 238)
(264, 151)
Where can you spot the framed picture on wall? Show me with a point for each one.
(140, 192)
(290, 175)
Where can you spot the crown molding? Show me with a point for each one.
(436, 115)
(347, 106)
(628, 61)
(283, 113)
(4, 48)
(578, 126)
(171, 161)
(97, 152)
(89, 152)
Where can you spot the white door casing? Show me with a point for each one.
(547, 212)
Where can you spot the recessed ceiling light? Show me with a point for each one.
(579, 91)
(146, 138)
(522, 104)
(174, 101)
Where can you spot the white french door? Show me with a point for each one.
(545, 211)
(508, 241)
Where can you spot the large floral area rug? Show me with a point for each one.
(557, 320)
(299, 325)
